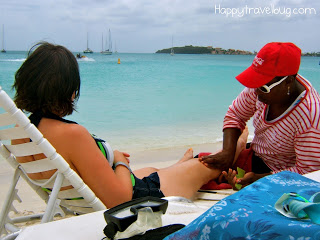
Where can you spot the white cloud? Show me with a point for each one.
(146, 26)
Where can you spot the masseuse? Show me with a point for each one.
(285, 110)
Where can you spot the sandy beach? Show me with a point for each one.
(156, 158)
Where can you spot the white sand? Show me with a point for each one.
(156, 158)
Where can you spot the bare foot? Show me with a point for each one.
(187, 155)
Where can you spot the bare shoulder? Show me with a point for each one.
(74, 135)
(54, 129)
(75, 131)
(67, 138)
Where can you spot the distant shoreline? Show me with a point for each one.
(168, 50)
(205, 50)
(189, 49)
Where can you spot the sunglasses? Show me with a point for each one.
(267, 89)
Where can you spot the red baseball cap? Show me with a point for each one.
(273, 60)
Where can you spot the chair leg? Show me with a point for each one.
(11, 236)
(7, 206)
(53, 201)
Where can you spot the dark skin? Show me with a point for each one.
(278, 102)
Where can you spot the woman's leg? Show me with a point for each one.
(186, 178)
(144, 172)
(188, 175)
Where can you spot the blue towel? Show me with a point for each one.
(250, 213)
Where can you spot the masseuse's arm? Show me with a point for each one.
(78, 147)
(224, 159)
(239, 112)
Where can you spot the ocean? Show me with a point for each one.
(155, 101)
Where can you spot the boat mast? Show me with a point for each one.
(106, 42)
(87, 40)
(102, 43)
(110, 42)
(2, 36)
(3, 39)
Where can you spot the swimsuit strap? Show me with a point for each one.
(36, 117)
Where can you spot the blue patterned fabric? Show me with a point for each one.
(250, 213)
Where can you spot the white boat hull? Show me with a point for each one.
(106, 52)
(88, 51)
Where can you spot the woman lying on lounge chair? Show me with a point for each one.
(48, 85)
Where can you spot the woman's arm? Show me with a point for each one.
(78, 147)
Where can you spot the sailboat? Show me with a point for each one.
(102, 44)
(109, 50)
(88, 50)
(3, 50)
(172, 51)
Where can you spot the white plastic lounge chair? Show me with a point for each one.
(86, 201)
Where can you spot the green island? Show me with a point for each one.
(204, 50)
(312, 54)
(218, 51)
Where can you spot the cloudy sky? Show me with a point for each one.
(148, 25)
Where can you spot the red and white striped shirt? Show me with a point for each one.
(291, 142)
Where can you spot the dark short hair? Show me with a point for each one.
(47, 80)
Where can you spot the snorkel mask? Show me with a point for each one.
(134, 217)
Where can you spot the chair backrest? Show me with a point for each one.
(14, 124)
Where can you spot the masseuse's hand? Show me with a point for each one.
(230, 176)
(221, 160)
(251, 177)
(224, 159)
(247, 179)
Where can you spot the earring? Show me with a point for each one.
(288, 93)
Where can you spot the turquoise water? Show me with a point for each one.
(154, 101)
